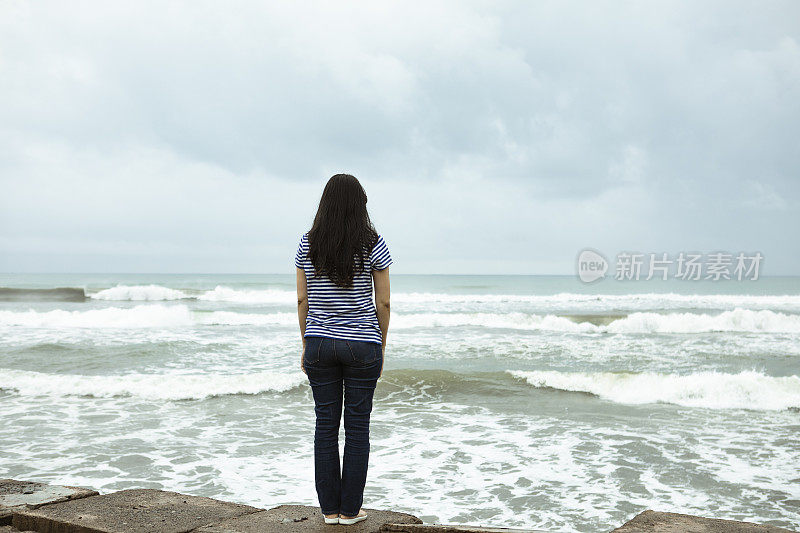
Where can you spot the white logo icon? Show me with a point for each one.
(591, 265)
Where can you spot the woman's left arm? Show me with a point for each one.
(302, 309)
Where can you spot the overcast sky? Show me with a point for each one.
(491, 137)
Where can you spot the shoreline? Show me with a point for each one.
(32, 506)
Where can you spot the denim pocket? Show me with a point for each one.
(364, 352)
(311, 352)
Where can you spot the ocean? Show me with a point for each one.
(522, 401)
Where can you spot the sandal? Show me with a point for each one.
(358, 518)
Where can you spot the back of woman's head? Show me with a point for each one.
(342, 235)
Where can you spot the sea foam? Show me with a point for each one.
(712, 390)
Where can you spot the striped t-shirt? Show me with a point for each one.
(343, 313)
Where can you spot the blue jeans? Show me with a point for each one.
(330, 363)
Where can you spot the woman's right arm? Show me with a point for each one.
(380, 279)
(302, 309)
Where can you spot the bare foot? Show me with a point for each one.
(334, 515)
(360, 513)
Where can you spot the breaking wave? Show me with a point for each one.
(597, 302)
(218, 294)
(712, 390)
(262, 296)
(605, 302)
(738, 320)
(176, 315)
(148, 386)
(140, 316)
(139, 292)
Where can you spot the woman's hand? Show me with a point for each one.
(303, 368)
(383, 358)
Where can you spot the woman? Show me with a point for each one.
(344, 338)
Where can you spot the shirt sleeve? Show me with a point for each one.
(379, 258)
(302, 251)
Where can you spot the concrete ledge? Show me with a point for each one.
(297, 518)
(18, 495)
(655, 522)
(42, 508)
(127, 511)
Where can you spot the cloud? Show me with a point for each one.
(764, 197)
(491, 137)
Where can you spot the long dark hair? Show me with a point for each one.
(342, 235)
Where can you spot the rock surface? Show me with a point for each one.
(37, 507)
(19, 495)
(297, 518)
(133, 510)
(654, 522)
(11, 529)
